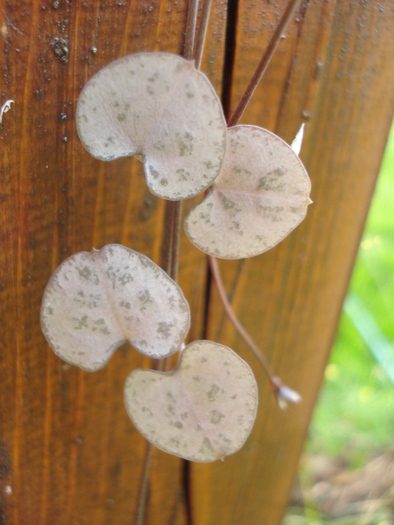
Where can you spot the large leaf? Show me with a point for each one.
(97, 300)
(202, 411)
(260, 196)
(159, 106)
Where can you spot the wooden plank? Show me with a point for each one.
(334, 70)
(69, 453)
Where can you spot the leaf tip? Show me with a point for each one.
(296, 145)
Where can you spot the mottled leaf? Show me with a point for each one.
(159, 106)
(260, 196)
(95, 301)
(202, 411)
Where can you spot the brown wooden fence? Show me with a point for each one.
(68, 452)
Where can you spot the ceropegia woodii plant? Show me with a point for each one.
(95, 301)
(159, 107)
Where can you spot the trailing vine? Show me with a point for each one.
(161, 108)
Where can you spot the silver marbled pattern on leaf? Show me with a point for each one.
(202, 411)
(260, 196)
(160, 106)
(95, 301)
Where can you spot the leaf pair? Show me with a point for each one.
(97, 300)
(159, 106)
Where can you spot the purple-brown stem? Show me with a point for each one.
(170, 264)
(144, 486)
(176, 237)
(265, 60)
(282, 392)
(275, 382)
(202, 33)
(173, 212)
(190, 29)
(214, 265)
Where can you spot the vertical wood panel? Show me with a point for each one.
(74, 456)
(68, 450)
(334, 70)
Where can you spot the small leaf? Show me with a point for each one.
(260, 196)
(202, 411)
(97, 300)
(159, 106)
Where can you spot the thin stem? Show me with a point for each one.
(260, 70)
(170, 263)
(213, 263)
(174, 208)
(190, 29)
(176, 237)
(167, 241)
(202, 33)
(172, 222)
(144, 485)
(282, 392)
(265, 60)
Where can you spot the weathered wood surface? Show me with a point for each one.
(68, 453)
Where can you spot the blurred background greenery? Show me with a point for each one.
(346, 474)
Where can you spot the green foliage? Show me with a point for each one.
(354, 416)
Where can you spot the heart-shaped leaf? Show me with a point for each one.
(97, 300)
(260, 196)
(160, 106)
(202, 411)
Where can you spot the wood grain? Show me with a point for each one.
(74, 454)
(334, 71)
(68, 451)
